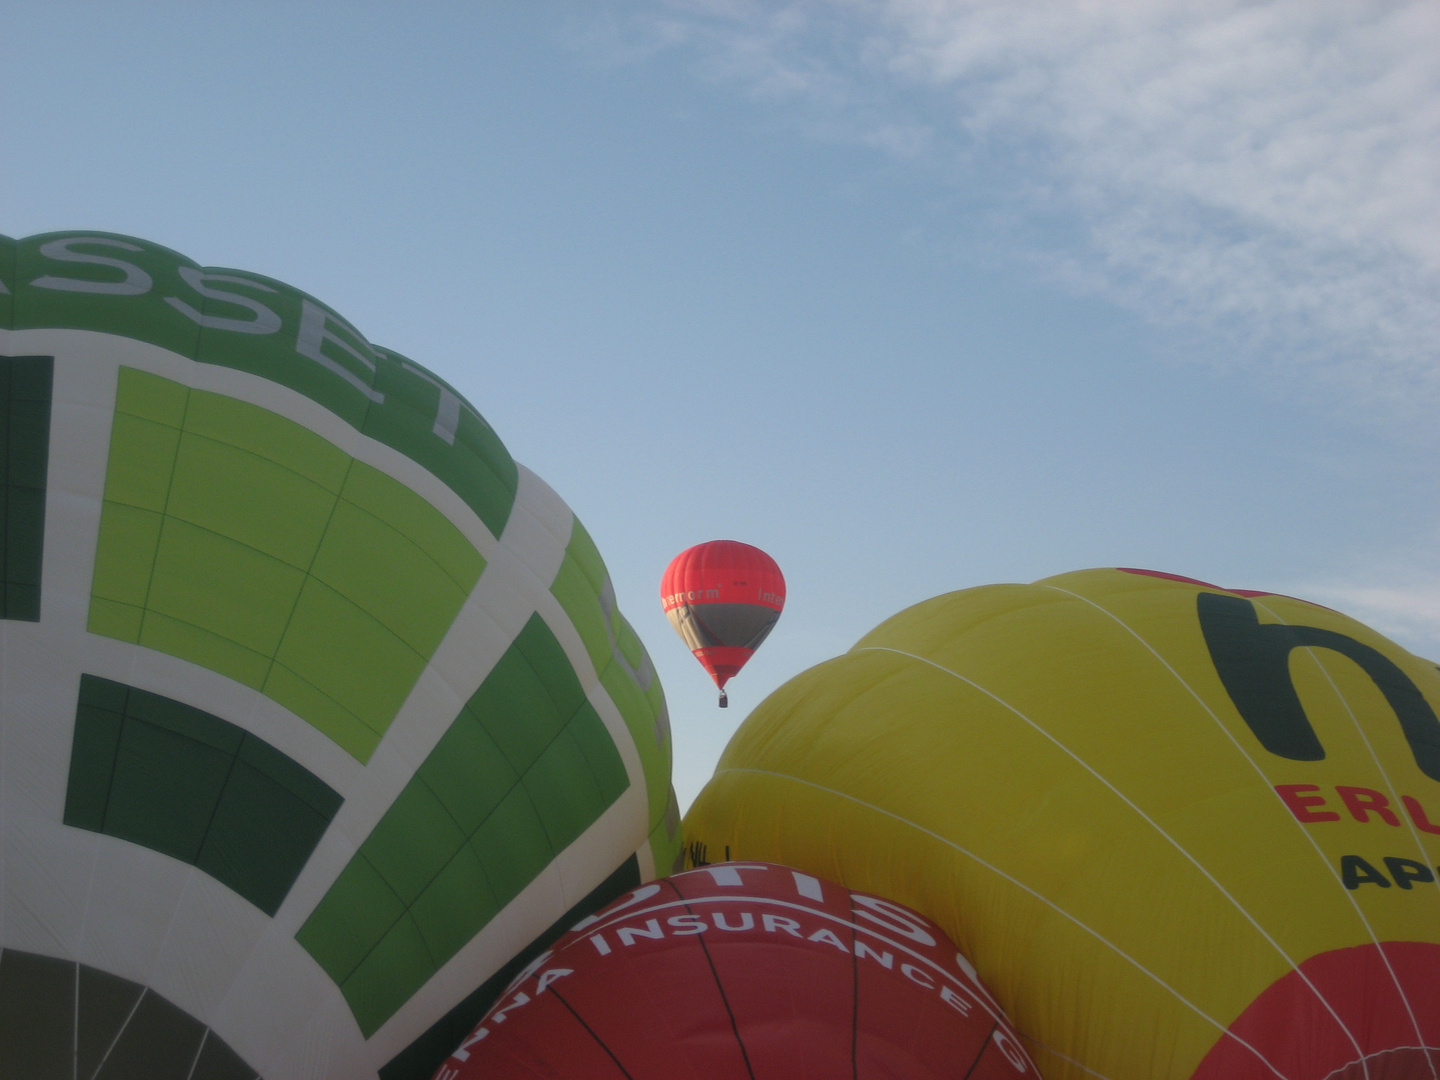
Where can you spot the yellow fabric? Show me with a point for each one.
(1057, 775)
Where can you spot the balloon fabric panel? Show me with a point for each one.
(741, 970)
(60, 1019)
(159, 773)
(25, 389)
(522, 771)
(238, 540)
(1058, 774)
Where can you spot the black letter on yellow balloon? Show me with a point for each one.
(1407, 871)
(1355, 871)
(1253, 661)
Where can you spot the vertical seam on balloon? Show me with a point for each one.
(1390, 784)
(204, 1035)
(590, 1031)
(1144, 816)
(115, 1041)
(719, 987)
(984, 1045)
(295, 605)
(1022, 886)
(1266, 779)
(164, 507)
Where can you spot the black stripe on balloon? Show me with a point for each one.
(983, 1047)
(591, 1032)
(716, 976)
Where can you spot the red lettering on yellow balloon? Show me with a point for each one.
(1362, 802)
(1300, 804)
(1417, 814)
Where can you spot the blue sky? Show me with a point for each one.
(914, 294)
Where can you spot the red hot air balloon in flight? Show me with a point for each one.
(722, 597)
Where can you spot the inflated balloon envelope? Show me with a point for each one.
(1182, 831)
(743, 971)
(318, 711)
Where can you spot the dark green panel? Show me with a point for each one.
(159, 1042)
(165, 789)
(25, 391)
(92, 766)
(160, 773)
(421, 1059)
(37, 1016)
(260, 837)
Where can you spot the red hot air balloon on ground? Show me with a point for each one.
(736, 971)
(723, 597)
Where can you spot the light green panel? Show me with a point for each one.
(241, 541)
(579, 586)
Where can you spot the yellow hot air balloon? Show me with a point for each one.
(1182, 831)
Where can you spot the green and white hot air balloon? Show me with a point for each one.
(316, 711)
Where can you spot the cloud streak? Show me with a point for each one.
(1268, 171)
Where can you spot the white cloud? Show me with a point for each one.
(1269, 170)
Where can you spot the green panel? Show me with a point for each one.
(397, 583)
(25, 390)
(160, 773)
(392, 971)
(164, 789)
(467, 772)
(459, 897)
(253, 500)
(243, 542)
(350, 919)
(413, 842)
(563, 787)
(266, 328)
(512, 844)
(92, 765)
(125, 555)
(349, 656)
(210, 581)
(524, 769)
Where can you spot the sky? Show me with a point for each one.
(916, 295)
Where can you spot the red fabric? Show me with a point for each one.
(1290, 1025)
(723, 661)
(746, 969)
(723, 572)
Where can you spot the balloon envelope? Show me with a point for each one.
(723, 599)
(317, 706)
(741, 970)
(1182, 831)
